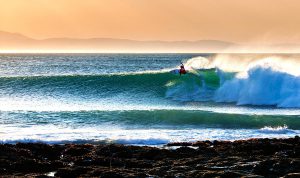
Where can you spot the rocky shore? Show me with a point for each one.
(243, 158)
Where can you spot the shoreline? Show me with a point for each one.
(249, 158)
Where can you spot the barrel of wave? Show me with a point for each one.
(200, 83)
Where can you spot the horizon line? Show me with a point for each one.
(112, 38)
(137, 52)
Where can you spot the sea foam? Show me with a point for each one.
(258, 80)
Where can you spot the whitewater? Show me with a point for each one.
(134, 99)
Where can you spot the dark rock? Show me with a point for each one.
(71, 172)
(264, 168)
(152, 154)
(252, 176)
(185, 150)
(242, 158)
(231, 174)
(138, 164)
(292, 175)
(297, 139)
(294, 166)
(31, 165)
(111, 174)
(180, 144)
(76, 151)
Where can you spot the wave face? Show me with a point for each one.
(151, 127)
(133, 98)
(260, 86)
(271, 81)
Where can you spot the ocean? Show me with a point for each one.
(134, 99)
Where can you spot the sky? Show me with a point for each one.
(240, 21)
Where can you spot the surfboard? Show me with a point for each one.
(175, 71)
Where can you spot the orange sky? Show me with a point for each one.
(242, 21)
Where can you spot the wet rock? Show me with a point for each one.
(264, 167)
(185, 150)
(159, 171)
(252, 176)
(294, 165)
(180, 144)
(71, 172)
(232, 174)
(138, 164)
(242, 158)
(111, 174)
(42, 150)
(32, 165)
(77, 151)
(292, 175)
(153, 154)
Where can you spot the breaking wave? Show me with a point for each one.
(253, 80)
(245, 81)
(276, 130)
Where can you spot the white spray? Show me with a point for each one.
(261, 79)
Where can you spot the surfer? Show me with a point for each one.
(182, 69)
